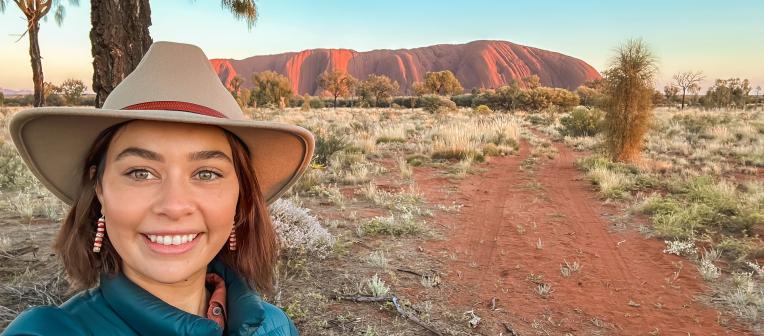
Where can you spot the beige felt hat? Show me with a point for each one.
(173, 82)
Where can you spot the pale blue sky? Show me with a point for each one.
(722, 38)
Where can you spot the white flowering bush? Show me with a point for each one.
(745, 295)
(757, 269)
(680, 248)
(708, 270)
(299, 231)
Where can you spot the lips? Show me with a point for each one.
(171, 244)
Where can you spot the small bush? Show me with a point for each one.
(491, 149)
(377, 286)
(14, 175)
(581, 122)
(317, 103)
(680, 248)
(454, 154)
(482, 110)
(434, 103)
(417, 160)
(612, 184)
(404, 224)
(299, 231)
(537, 119)
(327, 143)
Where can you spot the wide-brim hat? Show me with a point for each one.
(173, 82)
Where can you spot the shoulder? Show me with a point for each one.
(45, 320)
(276, 322)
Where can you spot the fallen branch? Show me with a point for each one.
(394, 300)
(408, 271)
(19, 251)
(361, 298)
(412, 317)
(509, 329)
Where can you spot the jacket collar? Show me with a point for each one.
(149, 315)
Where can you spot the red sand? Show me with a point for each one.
(622, 288)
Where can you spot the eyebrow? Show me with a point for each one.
(209, 154)
(154, 156)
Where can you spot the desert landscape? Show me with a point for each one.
(477, 188)
(531, 232)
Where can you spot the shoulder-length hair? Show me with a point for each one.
(257, 248)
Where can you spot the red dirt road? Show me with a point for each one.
(626, 286)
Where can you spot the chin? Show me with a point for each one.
(169, 272)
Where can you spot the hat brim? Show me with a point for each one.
(53, 141)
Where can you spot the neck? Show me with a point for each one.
(189, 295)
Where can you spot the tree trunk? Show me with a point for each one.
(119, 37)
(684, 92)
(36, 58)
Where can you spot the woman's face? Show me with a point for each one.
(169, 194)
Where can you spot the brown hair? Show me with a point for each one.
(257, 249)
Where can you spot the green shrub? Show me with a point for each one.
(55, 100)
(456, 154)
(317, 103)
(417, 160)
(463, 100)
(582, 122)
(404, 224)
(701, 206)
(14, 175)
(538, 119)
(483, 110)
(682, 223)
(434, 103)
(327, 143)
(490, 149)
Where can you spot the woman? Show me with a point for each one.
(168, 233)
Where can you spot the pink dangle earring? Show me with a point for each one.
(232, 239)
(100, 232)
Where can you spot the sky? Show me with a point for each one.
(721, 38)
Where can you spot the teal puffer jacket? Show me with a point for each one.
(120, 307)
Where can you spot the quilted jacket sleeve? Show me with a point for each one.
(276, 323)
(44, 321)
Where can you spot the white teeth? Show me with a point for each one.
(172, 240)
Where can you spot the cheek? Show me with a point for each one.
(222, 206)
(124, 205)
(122, 221)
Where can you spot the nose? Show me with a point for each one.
(175, 200)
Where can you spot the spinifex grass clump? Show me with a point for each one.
(706, 207)
(467, 138)
(628, 109)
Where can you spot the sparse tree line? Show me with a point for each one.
(685, 89)
(439, 90)
(69, 93)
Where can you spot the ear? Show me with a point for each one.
(98, 189)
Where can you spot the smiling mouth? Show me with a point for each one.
(171, 239)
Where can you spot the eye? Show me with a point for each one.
(208, 175)
(140, 174)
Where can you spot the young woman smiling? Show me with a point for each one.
(169, 231)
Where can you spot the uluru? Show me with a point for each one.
(477, 64)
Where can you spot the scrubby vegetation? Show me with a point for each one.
(700, 184)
